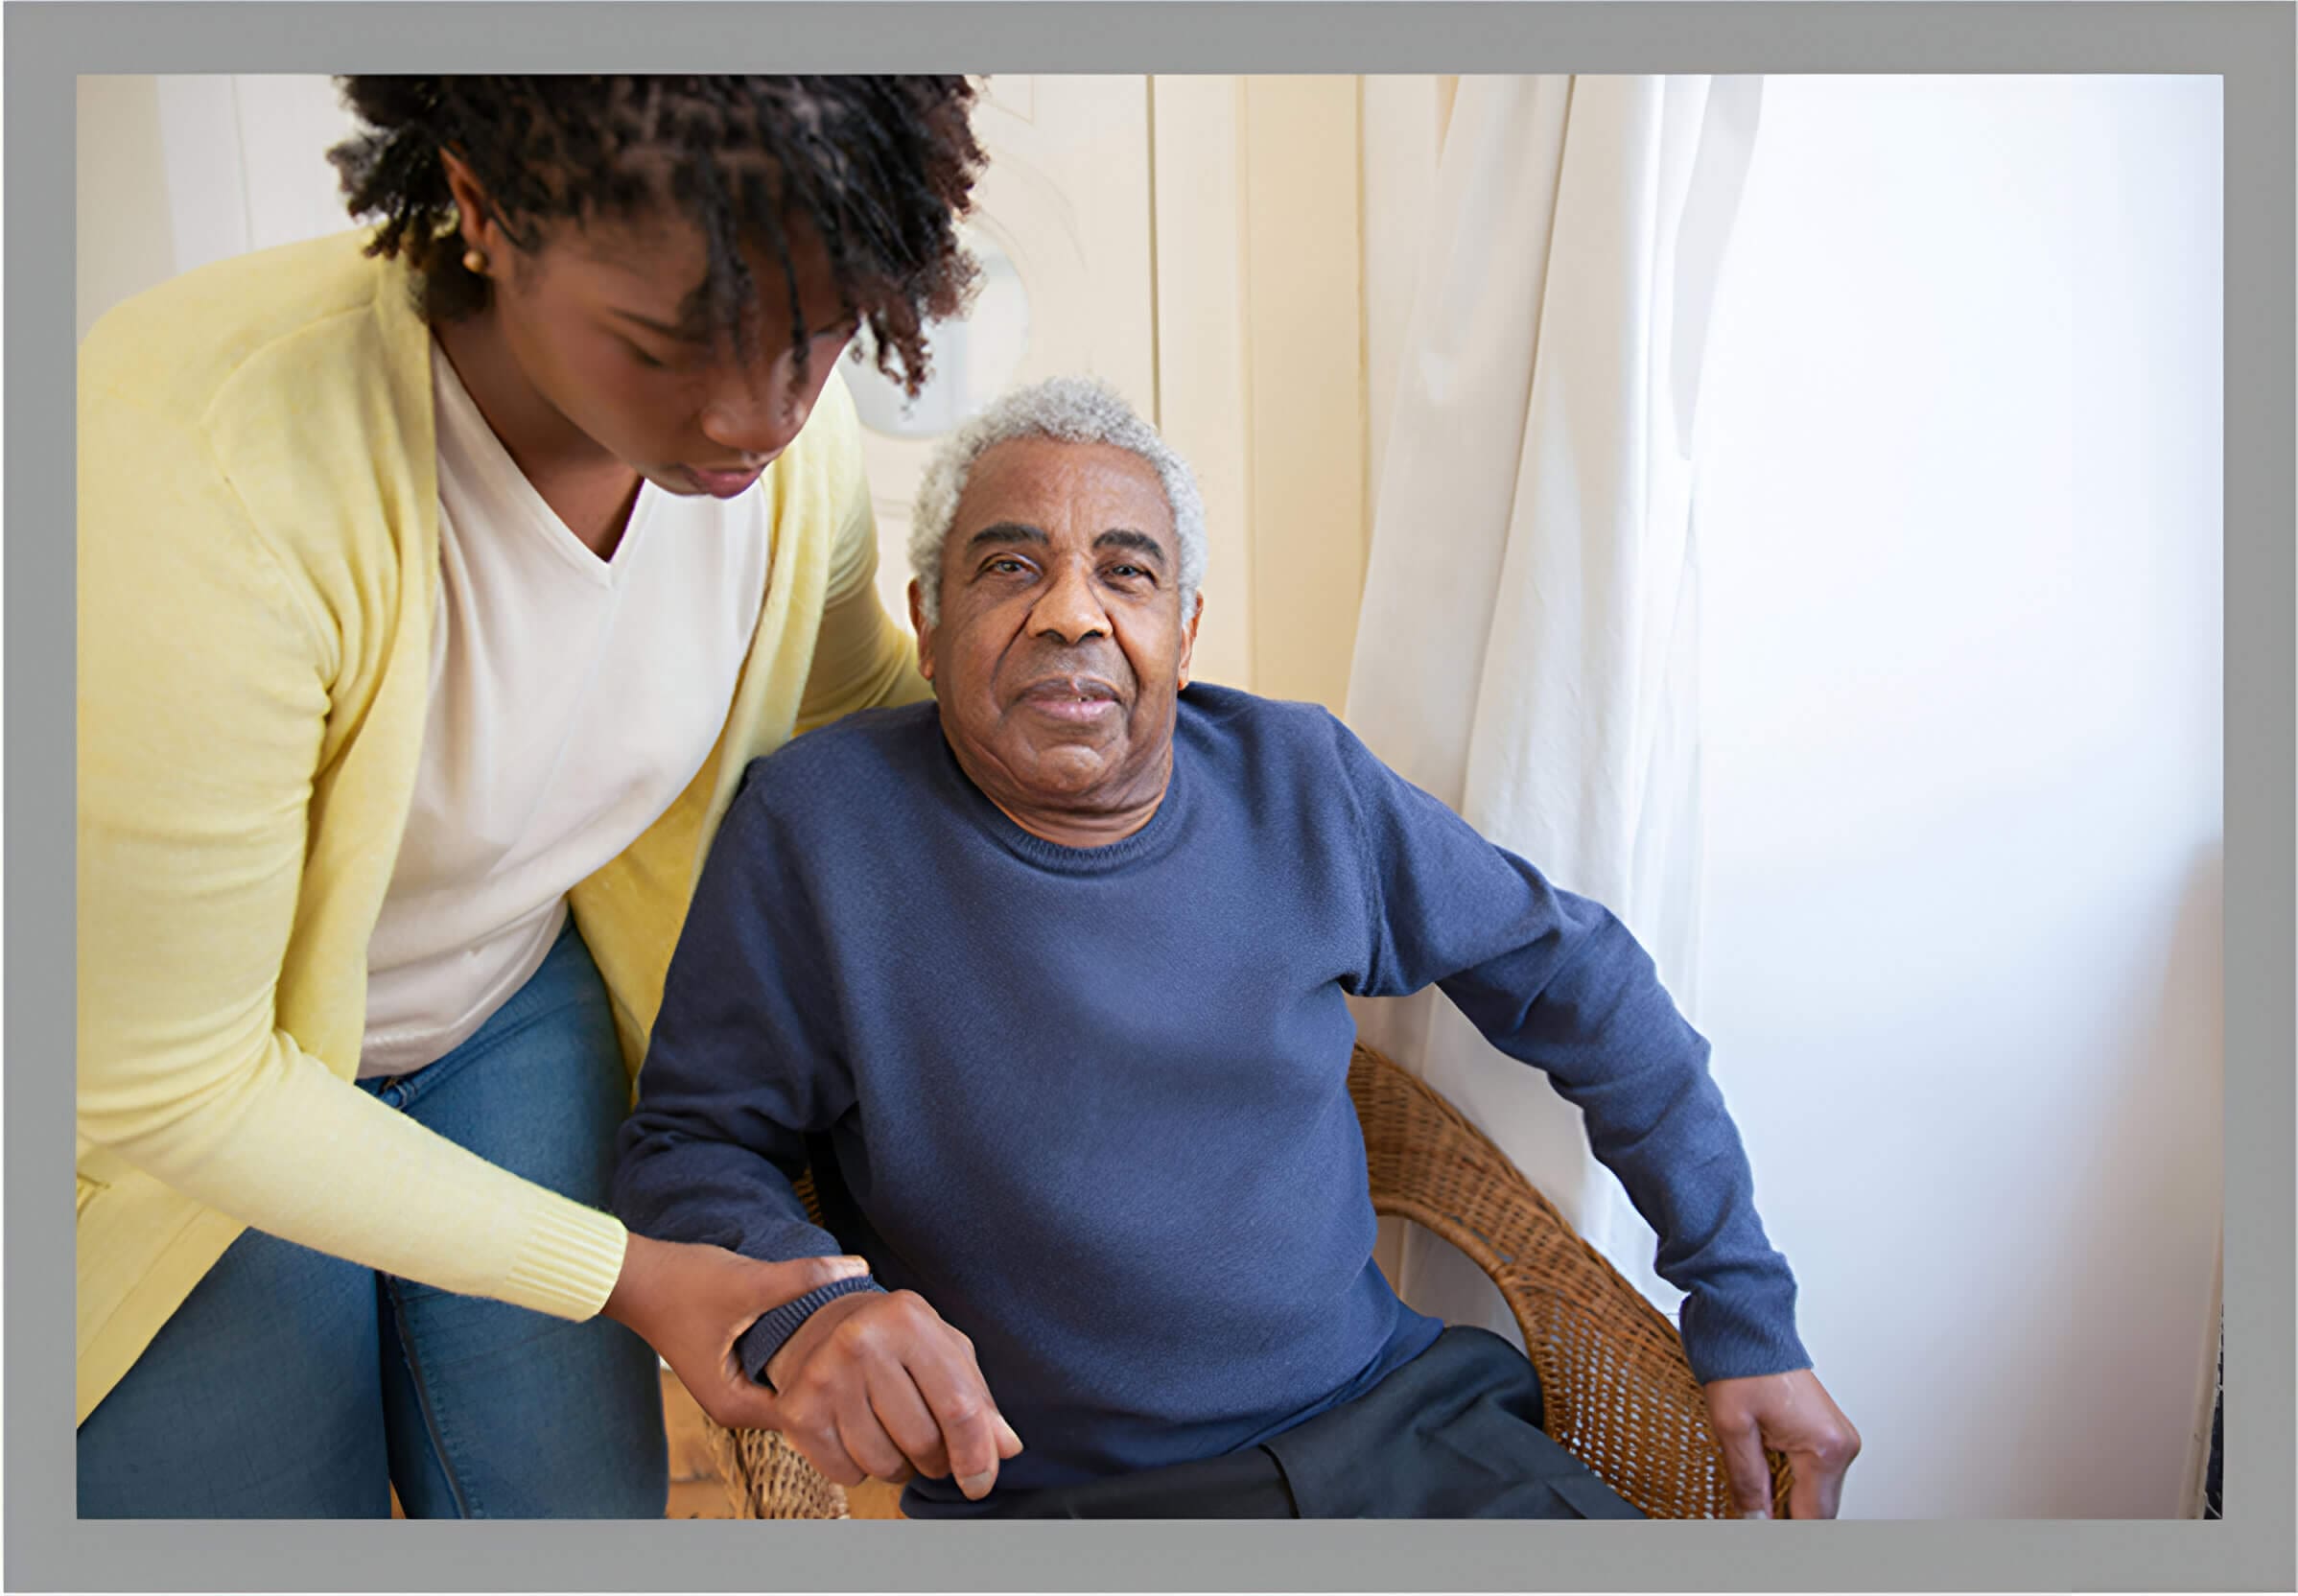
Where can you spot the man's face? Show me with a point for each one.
(1061, 645)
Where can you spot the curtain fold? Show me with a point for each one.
(1527, 649)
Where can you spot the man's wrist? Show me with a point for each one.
(1742, 1333)
(756, 1347)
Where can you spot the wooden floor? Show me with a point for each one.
(695, 1490)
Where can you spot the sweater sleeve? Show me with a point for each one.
(863, 658)
(1555, 981)
(744, 1065)
(203, 698)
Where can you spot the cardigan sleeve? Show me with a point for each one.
(204, 672)
(863, 658)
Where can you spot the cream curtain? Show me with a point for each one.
(1529, 643)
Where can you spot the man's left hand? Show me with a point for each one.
(1787, 1412)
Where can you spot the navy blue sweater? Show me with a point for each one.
(1091, 1104)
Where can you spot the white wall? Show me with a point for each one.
(179, 170)
(1959, 529)
(122, 244)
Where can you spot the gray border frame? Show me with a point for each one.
(2249, 44)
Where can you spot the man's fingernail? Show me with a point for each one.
(1757, 1513)
(978, 1486)
(853, 1266)
(1007, 1431)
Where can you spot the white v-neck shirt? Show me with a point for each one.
(571, 699)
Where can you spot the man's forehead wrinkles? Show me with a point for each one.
(1093, 489)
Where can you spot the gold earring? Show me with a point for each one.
(475, 262)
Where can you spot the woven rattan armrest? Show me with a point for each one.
(1616, 1390)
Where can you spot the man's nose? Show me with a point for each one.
(1069, 609)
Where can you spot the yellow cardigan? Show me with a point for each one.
(258, 563)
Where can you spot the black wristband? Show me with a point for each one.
(754, 1347)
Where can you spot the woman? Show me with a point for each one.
(435, 586)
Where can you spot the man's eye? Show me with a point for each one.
(1005, 565)
(644, 358)
(1126, 573)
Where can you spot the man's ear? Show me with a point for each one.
(1188, 636)
(917, 625)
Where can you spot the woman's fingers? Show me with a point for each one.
(670, 1290)
(772, 1285)
(689, 1302)
(730, 1396)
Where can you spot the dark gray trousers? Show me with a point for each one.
(1453, 1434)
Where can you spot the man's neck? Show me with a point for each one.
(1087, 821)
(1070, 830)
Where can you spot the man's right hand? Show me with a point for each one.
(878, 1384)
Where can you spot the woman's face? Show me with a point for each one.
(606, 324)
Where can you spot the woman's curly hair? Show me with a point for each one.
(879, 168)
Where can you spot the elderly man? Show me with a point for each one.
(1044, 981)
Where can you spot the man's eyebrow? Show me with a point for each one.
(1141, 543)
(1007, 532)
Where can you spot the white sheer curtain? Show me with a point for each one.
(1529, 643)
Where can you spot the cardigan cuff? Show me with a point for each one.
(756, 1345)
(569, 1261)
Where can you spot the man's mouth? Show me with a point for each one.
(1073, 698)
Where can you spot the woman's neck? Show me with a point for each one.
(584, 486)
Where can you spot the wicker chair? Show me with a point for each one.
(1617, 1391)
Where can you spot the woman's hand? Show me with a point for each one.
(689, 1302)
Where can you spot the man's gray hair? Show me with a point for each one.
(1074, 410)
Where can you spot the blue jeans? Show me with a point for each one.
(295, 1385)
